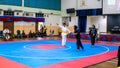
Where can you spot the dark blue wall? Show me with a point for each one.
(89, 12)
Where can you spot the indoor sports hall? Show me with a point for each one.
(59, 33)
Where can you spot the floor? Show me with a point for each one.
(107, 64)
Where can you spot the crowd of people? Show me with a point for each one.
(22, 35)
(40, 33)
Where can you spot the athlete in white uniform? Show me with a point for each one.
(65, 31)
(6, 32)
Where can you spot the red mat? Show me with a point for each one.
(99, 42)
(47, 46)
(81, 63)
(6, 63)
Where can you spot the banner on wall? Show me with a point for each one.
(27, 19)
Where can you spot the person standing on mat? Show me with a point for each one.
(65, 31)
(119, 57)
(93, 33)
(78, 41)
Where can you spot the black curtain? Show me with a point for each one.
(82, 23)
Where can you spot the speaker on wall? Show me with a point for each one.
(70, 10)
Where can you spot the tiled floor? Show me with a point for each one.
(108, 64)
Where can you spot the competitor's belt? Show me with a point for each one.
(64, 32)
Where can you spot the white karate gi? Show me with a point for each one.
(65, 31)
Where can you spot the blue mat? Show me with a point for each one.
(22, 53)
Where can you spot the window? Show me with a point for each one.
(39, 15)
(9, 13)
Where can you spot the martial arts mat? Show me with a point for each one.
(50, 54)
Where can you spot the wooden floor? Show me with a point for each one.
(107, 64)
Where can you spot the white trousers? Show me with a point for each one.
(7, 37)
(64, 39)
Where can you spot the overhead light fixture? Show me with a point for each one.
(9, 9)
(40, 11)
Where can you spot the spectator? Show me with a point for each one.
(18, 34)
(23, 35)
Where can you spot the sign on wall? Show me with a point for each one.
(89, 4)
(111, 6)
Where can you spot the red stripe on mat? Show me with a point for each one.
(81, 63)
(6, 63)
(47, 46)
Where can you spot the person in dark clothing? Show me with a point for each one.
(37, 34)
(30, 34)
(119, 57)
(41, 31)
(18, 34)
(93, 33)
(23, 35)
(44, 31)
(33, 34)
(78, 41)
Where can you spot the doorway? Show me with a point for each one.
(10, 26)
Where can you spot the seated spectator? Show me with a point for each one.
(6, 33)
(23, 34)
(37, 34)
(33, 34)
(1, 34)
(40, 34)
(19, 34)
(30, 34)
